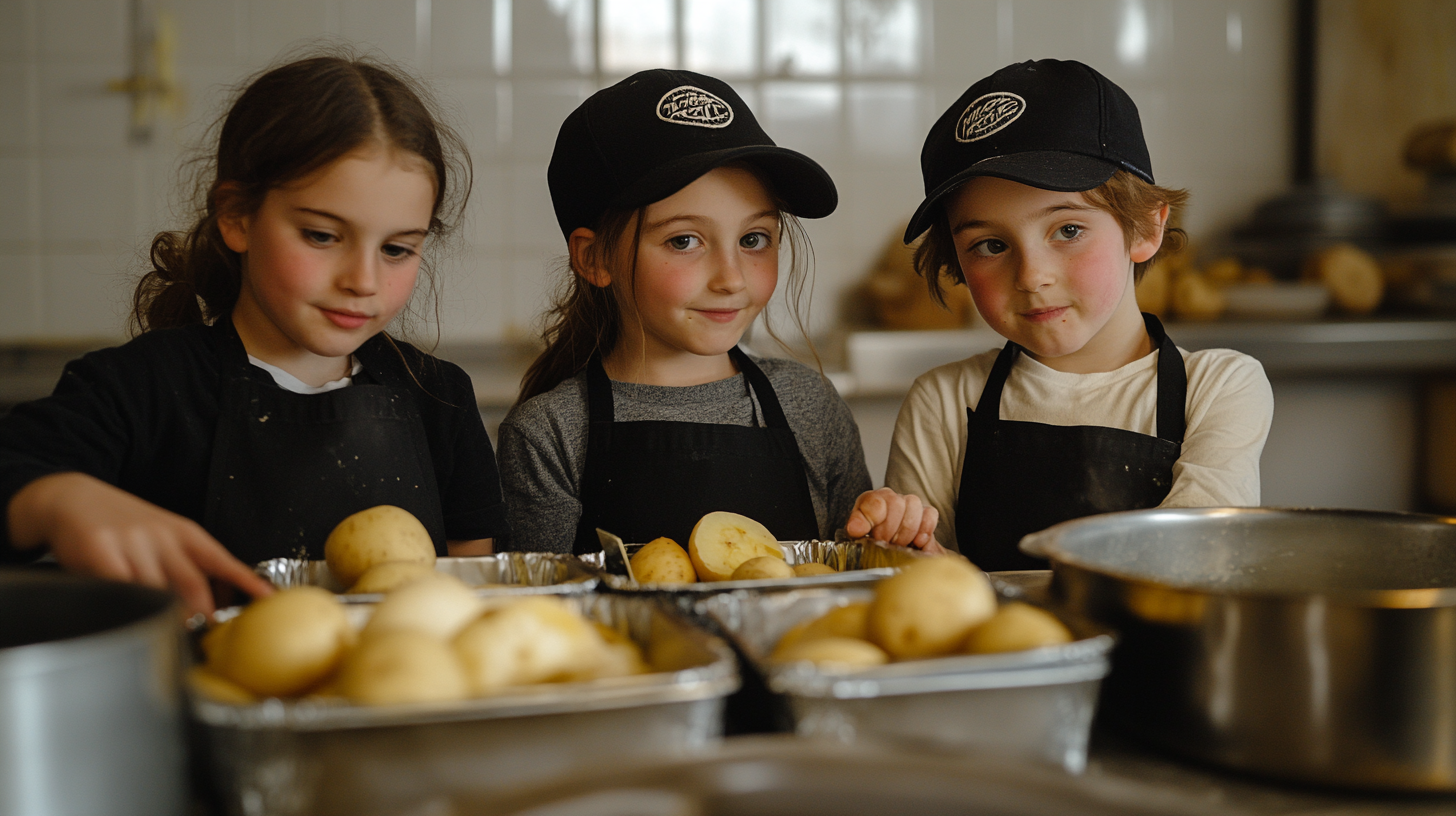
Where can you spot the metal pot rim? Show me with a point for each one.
(1043, 544)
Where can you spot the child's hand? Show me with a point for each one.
(889, 516)
(97, 529)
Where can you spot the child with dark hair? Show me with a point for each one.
(643, 414)
(1039, 197)
(262, 401)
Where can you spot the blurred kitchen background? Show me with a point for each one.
(103, 101)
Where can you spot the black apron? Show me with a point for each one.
(647, 479)
(1021, 477)
(286, 468)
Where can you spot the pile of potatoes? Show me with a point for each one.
(1174, 285)
(932, 608)
(723, 547)
(430, 640)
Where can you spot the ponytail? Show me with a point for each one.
(288, 122)
(584, 318)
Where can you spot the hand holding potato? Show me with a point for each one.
(898, 519)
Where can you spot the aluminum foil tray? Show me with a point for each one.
(288, 758)
(1036, 703)
(509, 573)
(860, 562)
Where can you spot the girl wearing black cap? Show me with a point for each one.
(1040, 199)
(642, 414)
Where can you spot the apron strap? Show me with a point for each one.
(1172, 384)
(598, 392)
(768, 399)
(988, 407)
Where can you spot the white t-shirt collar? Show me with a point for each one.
(288, 382)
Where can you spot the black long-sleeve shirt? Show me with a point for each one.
(142, 417)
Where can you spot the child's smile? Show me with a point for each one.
(1050, 272)
(329, 261)
(707, 265)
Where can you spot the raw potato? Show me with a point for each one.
(215, 641)
(1194, 298)
(763, 567)
(721, 541)
(930, 607)
(663, 561)
(843, 622)
(402, 666)
(808, 568)
(376, 536)
(1017, 626)
(282, 644)
(533, 640)
(1353, 277)
(835, 654)
(208, 683)
(390, 575)
(440, 605)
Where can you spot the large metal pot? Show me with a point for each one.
(1315, 645)
(89, 698)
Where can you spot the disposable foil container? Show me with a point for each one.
(860, 562)
(1036, 703)
(509, 573)
(326, 756)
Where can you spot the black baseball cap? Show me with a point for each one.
(656, 132)
(1052, 124)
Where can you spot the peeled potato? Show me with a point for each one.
(663, 561)
(402, 666)
(283, 644)
(835, 653)
(439, 605)
(390, 575)
(808, 568)
(1017, 626)
(533, 640)
(761, 568)
(208, 683)
(930, 607)
(376, 536)
(721, 541)
(844, 622)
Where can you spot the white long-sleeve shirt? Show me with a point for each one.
(1229, 409)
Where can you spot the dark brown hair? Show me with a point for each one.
(1127, 198)
(288, 122)
(585, 318)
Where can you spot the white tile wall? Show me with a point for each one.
(79, 203)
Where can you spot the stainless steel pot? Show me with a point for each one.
(89, 698)
(1314, 645)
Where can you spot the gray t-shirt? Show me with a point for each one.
(542, 444)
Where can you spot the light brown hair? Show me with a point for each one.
(1127, 198)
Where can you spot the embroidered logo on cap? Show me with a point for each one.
(988, 114)
(686, 105)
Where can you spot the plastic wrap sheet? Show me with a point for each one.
(511, 573)
(325, 756)
(1038, 702)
